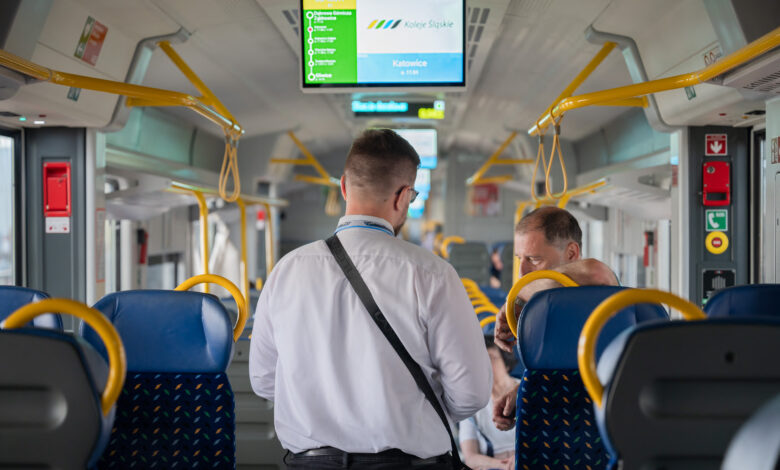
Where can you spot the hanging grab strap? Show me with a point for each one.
(540, 156)
(230, 167)
(556, 148)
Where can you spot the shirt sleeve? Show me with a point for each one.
(456, 345)
(467, 431)
(262, 350)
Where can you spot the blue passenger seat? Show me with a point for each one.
(12, 298)
(177, 407)
(745, 301)
(675, 394)
(555, 428)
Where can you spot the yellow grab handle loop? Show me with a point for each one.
(117, 363)
(446, 244)
(586, 350)
(556, 149)
(230, 167)
(243, 313)
(486, 308)
(487, 321)
(540, 156)
(511, 318)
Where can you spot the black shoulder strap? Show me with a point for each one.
(354, 278)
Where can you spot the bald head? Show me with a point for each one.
(379, 162)
(558, 225)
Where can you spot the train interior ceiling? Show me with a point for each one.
(134, 222)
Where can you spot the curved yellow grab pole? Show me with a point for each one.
(487, 321)
(486, 308)
(446, 244)
(243, 313)
(481, 302)
(524, 281)
(586, 351)
(117, 363)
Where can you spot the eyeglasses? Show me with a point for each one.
(414, 192)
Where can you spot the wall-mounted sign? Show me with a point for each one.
(390, 108)
(716, 219)
(715, 145)
(91, 41)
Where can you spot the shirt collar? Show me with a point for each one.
(356, 220)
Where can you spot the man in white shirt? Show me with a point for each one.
(342, 396)
(547, 238)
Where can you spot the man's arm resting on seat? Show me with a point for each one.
(477, 461)
(585, 272)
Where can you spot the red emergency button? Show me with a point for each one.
(717, 242)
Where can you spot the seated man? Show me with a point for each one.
(547, 238)
(478, 431)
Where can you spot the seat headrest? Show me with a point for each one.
(13, 298)
(168, 331)
(550, 325)
(745, 301)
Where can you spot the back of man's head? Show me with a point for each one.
(558, 225)
(379, 162)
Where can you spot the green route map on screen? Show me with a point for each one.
(330, 44)
(382, 42)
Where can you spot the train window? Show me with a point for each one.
(164, 271)
(7, 212)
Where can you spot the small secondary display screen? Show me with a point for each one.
(382, 43)
(424, 142)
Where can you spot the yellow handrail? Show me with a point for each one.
(486, 308)
(117, 362)
(243, 311)
(203, 209)
(244, 267)
(446, 243)
(586, 350)
(487, 320)
(308, 159)
(207, 106)
(269, 241)
(477, 178)
(760, 46)
(511, 318)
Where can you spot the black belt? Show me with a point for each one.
(387, 454)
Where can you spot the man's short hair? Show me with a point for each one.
(557, 224)
(379, 159)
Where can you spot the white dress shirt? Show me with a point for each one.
(334, 378)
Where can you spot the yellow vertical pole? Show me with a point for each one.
(244, 266)
(204, 234)
(269, 241)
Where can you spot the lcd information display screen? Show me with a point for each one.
(381, 43)
(424, 142)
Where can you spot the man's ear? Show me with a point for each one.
(572, 252)
(344, 186)
(397, 200)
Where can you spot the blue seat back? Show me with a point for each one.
(177, 406)
(676, 393)
(12, 298)
(745, 301)
(50, 408)
(555, 426)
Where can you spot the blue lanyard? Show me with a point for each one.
(364, 224)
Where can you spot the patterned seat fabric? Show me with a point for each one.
(173, 421)
(176, 409)
(556, 429)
